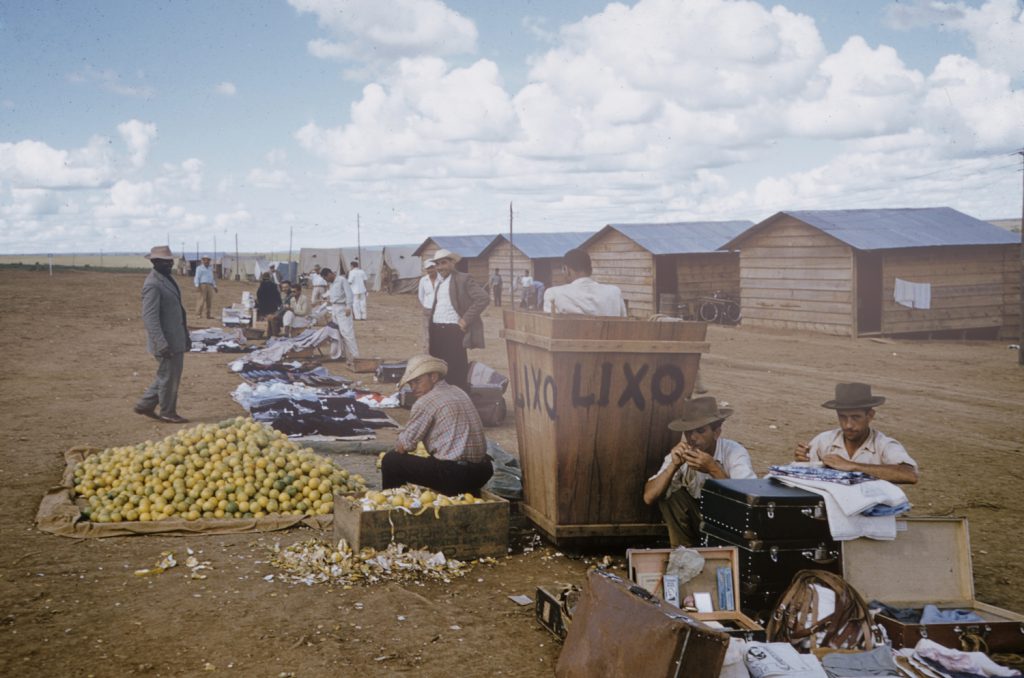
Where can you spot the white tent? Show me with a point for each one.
(327, 257)
(405, 268)
(372, 261)
(248, 266)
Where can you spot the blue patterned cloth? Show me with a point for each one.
(829, 475)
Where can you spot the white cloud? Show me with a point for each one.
(31, 203)
(227, 89)
(235, 219)
(110, 81)
(268, 178)
(129, 200)
(372, 30)
(137, 136)
(34, 164)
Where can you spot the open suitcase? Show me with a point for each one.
(619, 629)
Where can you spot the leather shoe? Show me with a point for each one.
(146, 413)
(174, 419)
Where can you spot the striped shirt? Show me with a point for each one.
(447, 423)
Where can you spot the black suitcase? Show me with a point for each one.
(489, 401)
(764, 509)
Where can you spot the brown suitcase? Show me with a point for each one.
(619, 629)
(929, 562)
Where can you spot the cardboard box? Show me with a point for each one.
(462, 532)
(647, 568)
(929, 562)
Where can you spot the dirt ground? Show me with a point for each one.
(74, 362)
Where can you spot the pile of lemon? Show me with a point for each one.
(413, 498)
(235, 469)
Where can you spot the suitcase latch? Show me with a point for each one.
(816, 513)
(771, 510)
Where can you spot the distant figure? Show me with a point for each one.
(357, 281)
(426, 294)
(537, 295)
(525, 289)
(163, 315)
(455, 324)
(855, 445)
(583, 294)
(495, 284)
(268, 298)
(274, 277)
(339, 297)
(207, 285)
(319, 285)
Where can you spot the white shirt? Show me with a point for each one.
(339, 293)
(317, 280)
(586, 296)
(730, 455)
(444, 312)
(357, 279)
(427, 292)
(526, 281)
(877, 449)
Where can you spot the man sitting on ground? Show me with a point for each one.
(446, 422)
(702, 453)
(855, 445)
(583, 294)
(295, 312)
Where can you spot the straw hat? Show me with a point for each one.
(422, 364)
(853, 397)
(429, 263)
(160, 252)
(445, 254)
(699, 412)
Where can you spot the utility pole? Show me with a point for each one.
(291, 230)
(238, 262)
(1020, 289)
(359, 242)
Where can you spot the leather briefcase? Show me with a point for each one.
(620, 629)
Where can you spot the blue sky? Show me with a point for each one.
(127, 124)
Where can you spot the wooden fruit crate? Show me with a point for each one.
(461, 531)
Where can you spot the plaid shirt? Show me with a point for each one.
(447, 422)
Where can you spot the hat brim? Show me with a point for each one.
(419, 371)
(862, 405)
(685, 425)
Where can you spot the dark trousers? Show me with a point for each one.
(446, 477)
(446, 344)
(497, 295)
(682, 518)
(164, 389)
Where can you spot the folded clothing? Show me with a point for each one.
(823, 473)
(876, 662)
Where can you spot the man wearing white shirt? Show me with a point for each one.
(339, 297)
(583, 295)
(456, 322)
(426, 294)
(319, 285)
(207, 285)
(357, 281)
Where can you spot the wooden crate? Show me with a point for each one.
(462, 531)
(593, 397)
(929, 562)
(647, 566)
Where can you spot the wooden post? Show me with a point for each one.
(1020, 289)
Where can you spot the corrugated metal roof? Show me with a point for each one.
(463, 245)
(687, 237)
(544, 245)
(886, 229)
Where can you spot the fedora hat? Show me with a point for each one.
(853, 397)
(422, 364)
(160, 252)
(699, 412)
(445, 254)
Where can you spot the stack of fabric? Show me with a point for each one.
(216, 340)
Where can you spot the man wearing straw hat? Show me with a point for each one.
(445, 420)
(701, 454)
(855, 445)
(455, 323)
(166, 337)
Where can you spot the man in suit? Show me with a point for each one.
(166, 337)
(455, 324)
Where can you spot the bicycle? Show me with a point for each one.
(720, 307)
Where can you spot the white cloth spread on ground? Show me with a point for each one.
(912, 295)
(771, 660)
(845, 503)
(279, 347)
(977, 663)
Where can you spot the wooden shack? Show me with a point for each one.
(539, 253)
(469, 247)
(841, 271)
(660, 266)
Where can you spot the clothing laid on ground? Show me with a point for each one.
(166, 339)
(357, 281)
(342, 416)
(680, 510)
(339, 297)
(457, 297)
(586, 296)
(876, 662)
(878, 448)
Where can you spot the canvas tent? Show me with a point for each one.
(246, 265)
(326, 257)
(403, 268)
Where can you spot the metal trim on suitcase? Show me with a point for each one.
(764, 509)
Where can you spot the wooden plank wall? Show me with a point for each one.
(477, 269)
(969, 288)
(498, 258)
(619, 261)
(1011, 293)
(793, 276)
(428, 251)
(700, 275)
